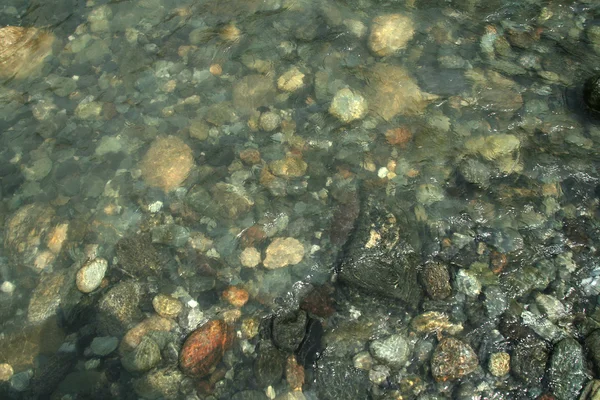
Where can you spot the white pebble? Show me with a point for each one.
(7, 287)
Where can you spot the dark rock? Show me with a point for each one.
(591, 93)
(378, 259)
(268, 367)
(436, 280)
(51, 373)
(119, 308)
(312, 346)
(452, 359)
(319, 301)
(592, 343)
(567, 369)
(338, 380)
(137, 255)
(289, 329)
(528, 361)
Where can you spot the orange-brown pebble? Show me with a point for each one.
(294, 373)
(250, 156)
(235, 296)
(204, 348)
(253, 236)
(216, 69)
(498, 261)
(398, 136)
(58, 237)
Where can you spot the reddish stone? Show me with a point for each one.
(319, 302)
(398, 136)
(250, 156)
(498, 262)
(204, 348)
(235, 296)
(252, 236)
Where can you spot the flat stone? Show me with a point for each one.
(390, 33)
(393, 351)
(90, 276)
(394, 92)
(104, 345)
(167, 163)
(282, 252)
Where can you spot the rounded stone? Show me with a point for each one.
(104, 345)
(236, 296)
(134, 336)
(204, 348)
(289, 329)
(143, 358)
(282, 252)
(390, 33)
(348, 106)
(166, 306)
(499, 364)
(6, 372)
(291, 80)
(250, 257)
(591, 93)
(436, 280)
(289, 167)
(269, 121)
(393, 351)
(26, 229)
(452, 359)
(167, 163)
(90, 275)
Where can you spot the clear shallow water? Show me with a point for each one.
(198, 146)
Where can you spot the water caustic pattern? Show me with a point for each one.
(299, 199)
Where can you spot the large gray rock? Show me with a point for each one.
(378, 258)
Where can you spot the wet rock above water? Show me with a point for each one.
(528, 360)
(453, 359)
(167, 163)
(567, 372)
(377, 259)
(23, 50)
(390, 33)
